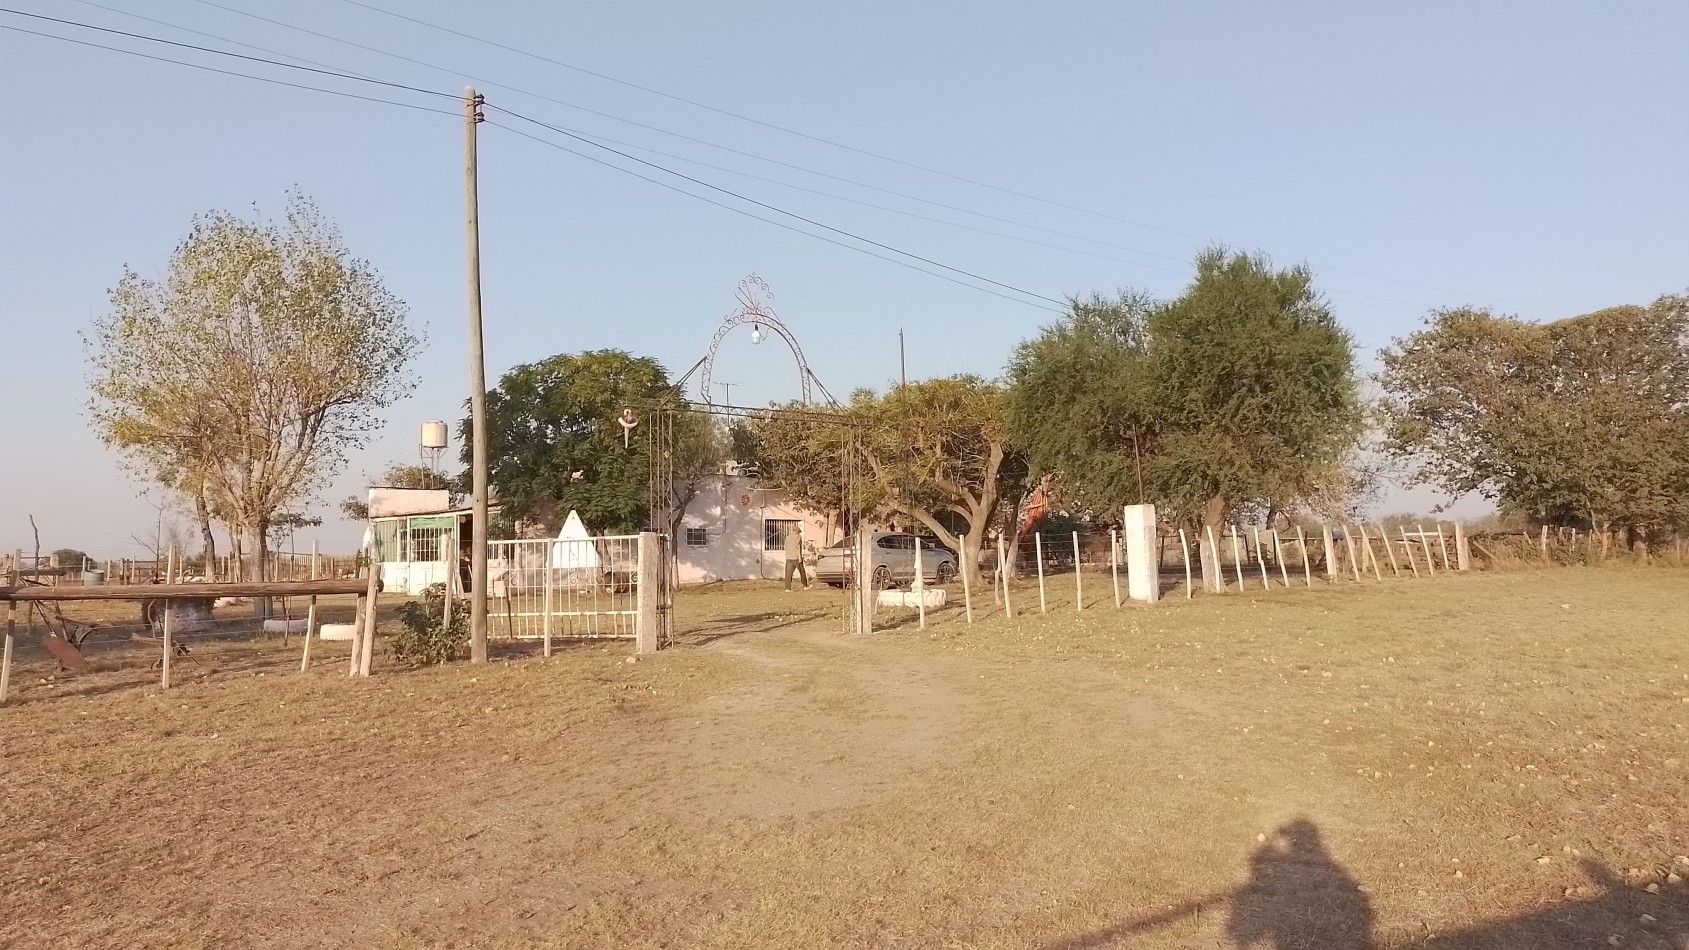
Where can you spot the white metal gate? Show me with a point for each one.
(566, 589)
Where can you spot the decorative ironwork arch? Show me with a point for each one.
(756, 307)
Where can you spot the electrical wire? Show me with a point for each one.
(662, 131)
(214, 36)
(222, 52)
(819, 237)
(858, 150)
(227, 72)
(594, 141)
(1062, 304)
(1389, 303)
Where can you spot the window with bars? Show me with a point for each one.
(774, 531)
(697, 538)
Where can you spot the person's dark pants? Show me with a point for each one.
(803, 572)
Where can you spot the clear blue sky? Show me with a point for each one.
(1525, 155)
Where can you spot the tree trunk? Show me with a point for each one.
(1213, 517)
(260, 565)
(1012, 525)
(208, 541)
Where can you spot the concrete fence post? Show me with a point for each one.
(646, 595)
(1143, 570)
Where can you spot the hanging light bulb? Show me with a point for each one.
(756, 333)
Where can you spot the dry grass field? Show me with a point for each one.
(1484, 761)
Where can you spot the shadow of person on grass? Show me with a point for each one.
(1298, 896)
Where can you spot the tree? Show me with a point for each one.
(1238, 396)
(935, 451)
(71, 558)
(699, 447)
(554, 443)
(402, 475)
(940, 448)
(1580, 421)
(264, 355)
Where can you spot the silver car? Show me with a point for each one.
(893, 560)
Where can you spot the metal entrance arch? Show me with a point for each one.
(756, 307)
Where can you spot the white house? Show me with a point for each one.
(735, 530)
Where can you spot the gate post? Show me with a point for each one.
(646, 593)
(1143, 568)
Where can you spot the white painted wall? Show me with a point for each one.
(731, 510)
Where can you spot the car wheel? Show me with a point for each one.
(946, 572)
(882, 576)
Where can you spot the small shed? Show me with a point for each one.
(417, 538)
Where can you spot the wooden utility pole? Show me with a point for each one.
(477, 395)
(902, 365)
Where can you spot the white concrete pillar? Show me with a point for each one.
(646, 594)
(1143, 569)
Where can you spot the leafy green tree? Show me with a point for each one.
(554, 443)
(1583, 420)
(1240, 395)
(247, 373)
(936, 452)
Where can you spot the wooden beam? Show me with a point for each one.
(324, 586)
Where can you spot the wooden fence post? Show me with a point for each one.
(1003, 575)
(1114, 563)
(1462, 551)
(1278, 555)
(1349, 548)
(16, 580)
(1237, 559)
(1307, 562)
(967, 585)
(1408, 550)
(1545, 544)
(1261, 561)
(1184, 548)
(310, 616)
(1367, 543)
(1389, 552)
(1330, 552)
(919, 586)
(1216, 577)
(366, 653)
(1078, 576)
(1430, 556)
(1443, 543)
(170, 571)
(1038, 552)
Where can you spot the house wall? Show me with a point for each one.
(732, 509)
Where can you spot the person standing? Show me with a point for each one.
(794, 556)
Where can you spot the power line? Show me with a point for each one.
(589, 140)
(222, 52)
(954, 224)
(779, 224)
(809, 221)
(1387, 302)
(615, 118)
(855, 149)
(212, 36)
(226, 72)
